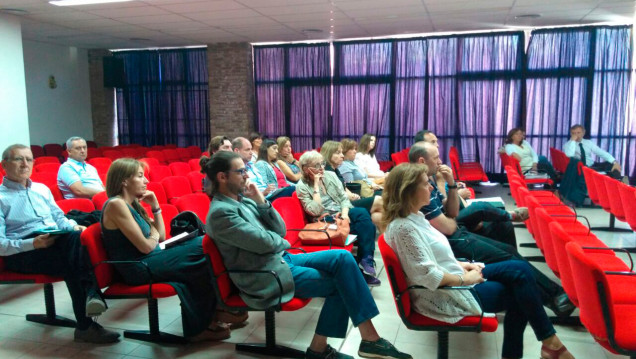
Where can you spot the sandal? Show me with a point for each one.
(547, 353)
(520, 214)
(231, 317)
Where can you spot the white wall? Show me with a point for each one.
(65, 111)
(14, 123)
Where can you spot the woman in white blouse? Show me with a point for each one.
(428, 260)
(517, 147)
(365, 158)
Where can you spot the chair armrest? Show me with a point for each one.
(145, 265)
(616, 249)
(312, 230)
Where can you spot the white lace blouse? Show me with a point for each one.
(426, 255)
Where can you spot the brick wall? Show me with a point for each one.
(231, 89)
(102, 100)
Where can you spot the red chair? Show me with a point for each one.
(157, 188)
(228, 298)
(198, 203)
(91, 144)
(400, 157)
(156, 148)
(416, 321)
(195, 151)
(628, 196)
(140, 152)
(47, 167)
(80, 204)
(514, 164)
(194, 164)
(157, 173)
(179, 168)
(196, 181)
(113, 154)
(130, 152)
(171, 155)
(45, 159)
(93, 152)
(559, 160)
(37, 151)
(293, 214)
(614, 197)
(610, 319)
(158, 155)
(99, 200)
(589, 183)
(175, 187)
(101, 164)
(605, 202)
(151, 162)
(50, 180)
(53, 149)
(107, 278)
(168, 212)
(170, 146)
(184, 154)
(466, 171)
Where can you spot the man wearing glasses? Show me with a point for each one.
(27, 211)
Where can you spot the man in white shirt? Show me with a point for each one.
(76, 178)
(582, 149)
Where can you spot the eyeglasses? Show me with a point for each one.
(241, 171)
(318, 166)
(21, 159)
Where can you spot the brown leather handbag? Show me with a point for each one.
(323, 233)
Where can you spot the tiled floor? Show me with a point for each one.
(22, 339)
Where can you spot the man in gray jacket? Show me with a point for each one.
(249, 234)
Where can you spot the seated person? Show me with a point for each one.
(256, 139)
(517, 147)
(350, 170)
(219, 143)
(441, 213)
(585, 150)
(26, 207)
(321, 193)
(130, 235)
(365, 158)
(427, 260)
(76, 178)
(274, 184)
(249, 235)
(286, 161)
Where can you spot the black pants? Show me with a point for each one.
(65, 258)
(482, 249)
(606, 167)
(495, 222)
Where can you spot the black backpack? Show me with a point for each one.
(187, 221)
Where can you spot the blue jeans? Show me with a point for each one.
(511, 287)
(496, 222)
(545, 166)
(335, 276)
(362, 225)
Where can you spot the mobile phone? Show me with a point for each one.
(329, 219)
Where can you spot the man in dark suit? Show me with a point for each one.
(249, 234)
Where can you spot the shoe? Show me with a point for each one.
(211, 335)
(547, 353)
(381, 349)
(329, 353)
(225, 316)
(561, 305)
(371, 281)
(95, 306)
(96, 334)
(367, 264)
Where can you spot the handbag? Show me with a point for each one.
(365, 189)
(323, 233)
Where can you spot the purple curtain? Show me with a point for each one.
(165, 98)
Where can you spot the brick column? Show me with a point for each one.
(231, 89)
(102, 100)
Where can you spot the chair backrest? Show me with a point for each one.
(101, 164)
(614, 197)
(158, 173)
(179, 168)
(47, 167)
(175, 187)
(129, 152)
(601, 190)
(196, 181)
(99, 199)
(397, 278)
(53, 149)
(224, 284)
(543, 220)
(170, 146)
(589, 183)
(194, 164)
(588, 276)
(628, 198)
(151, 162)
(93, 152)
(37, 151)
(168, 212)
(195, 151)
(198, 203)
(453, 157)
(171, 155)
(160, 193)
(184, 154)
(113, 154)
(46, 159)
(91, 144)
(158, 155)
(92, 239)
(80, 204)
(293, 214)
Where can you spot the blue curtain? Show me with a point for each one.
(165, 99)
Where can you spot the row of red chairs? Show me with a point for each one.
(466, 171)
(615, 197)
(58, 150)
(164, 156)
(513, 164)
(592, 275)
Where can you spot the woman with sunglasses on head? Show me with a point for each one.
(321, 193)
(427, 260)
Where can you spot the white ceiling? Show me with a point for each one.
(159, 23)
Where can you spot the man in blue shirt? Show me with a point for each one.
(26, 207)
(441, 213)
(76, 178)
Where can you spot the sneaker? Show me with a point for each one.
(371, 281)
(96, 334)
(380, 349)
(95, 306)
(367, 264)
(329, 353)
